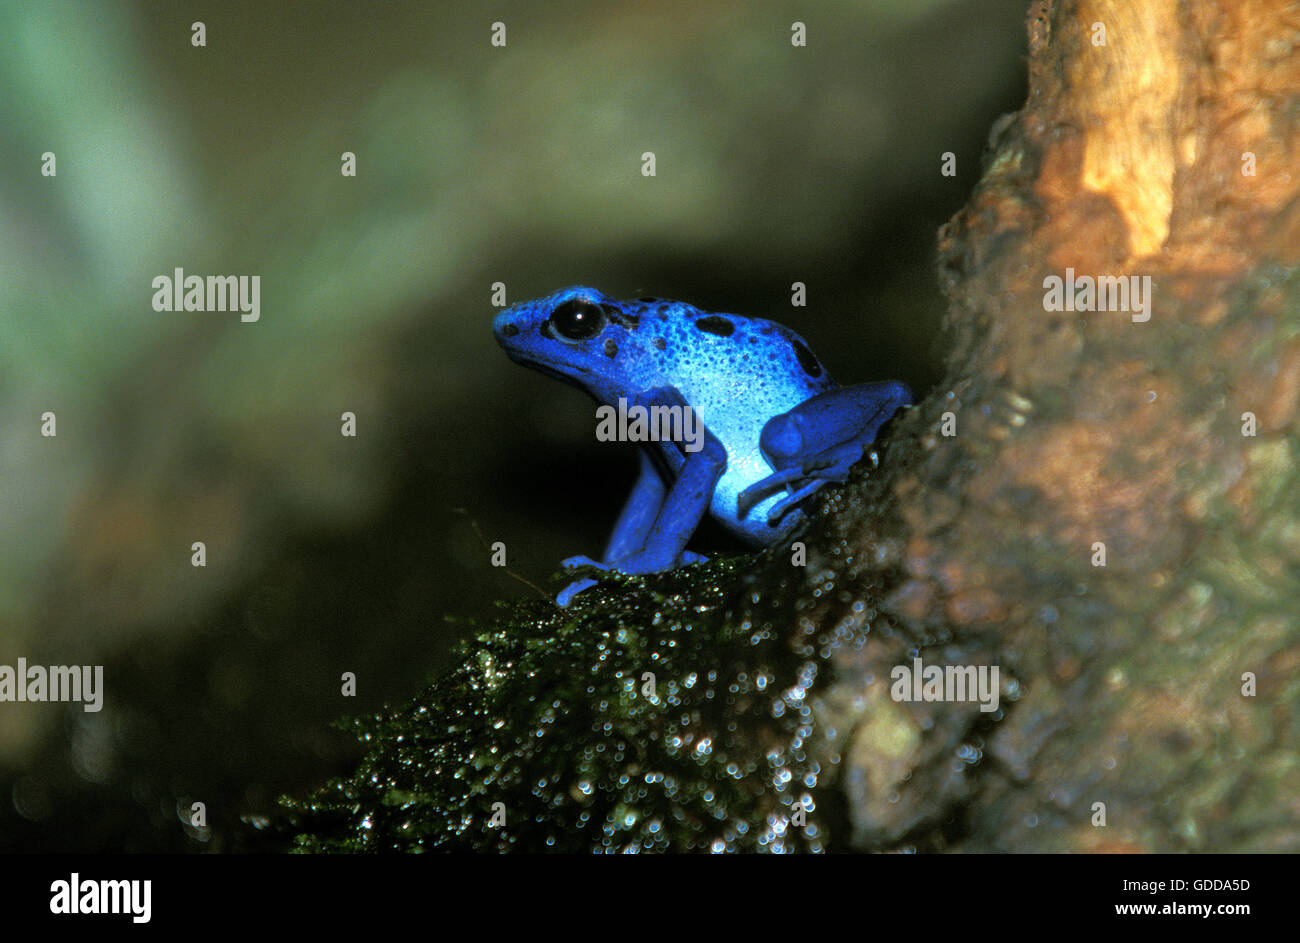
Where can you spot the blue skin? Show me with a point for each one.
(777, 427)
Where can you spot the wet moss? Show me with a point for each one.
(646, 717)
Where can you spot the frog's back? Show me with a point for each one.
(737, 373)
(716, 359)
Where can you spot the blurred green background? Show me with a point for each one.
(475, 164)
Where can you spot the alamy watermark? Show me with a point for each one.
(650, 424)
(78, 896)
(1098, 293)
(181, 292)
(950, 683)
(84, 683)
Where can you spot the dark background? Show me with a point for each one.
(475, 165)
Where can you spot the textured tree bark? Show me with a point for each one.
(1160, 138)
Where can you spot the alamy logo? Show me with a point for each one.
(83, 683)
(76, 896)
(650, 424)
(951, 683)
(181, 292)
(1099, 293)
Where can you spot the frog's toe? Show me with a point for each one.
(689, 556)
(580, 560)
(760, 490)
(779, 509)
(567, 594)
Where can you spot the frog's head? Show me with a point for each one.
(576, 335)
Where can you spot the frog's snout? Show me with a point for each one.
(504, 326)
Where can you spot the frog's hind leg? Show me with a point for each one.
(820, 439)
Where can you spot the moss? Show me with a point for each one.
(645, 717)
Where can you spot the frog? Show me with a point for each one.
(776, 427)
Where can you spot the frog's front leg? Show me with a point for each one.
(630, 531)
(819, 440)
(639, 511)
(657, 520)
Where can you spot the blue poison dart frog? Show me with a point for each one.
(776, 427)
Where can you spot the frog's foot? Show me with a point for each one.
(636, 563)
(804, 480)
(652, 561)
(779, 509)
(567, 594)
(760, 490)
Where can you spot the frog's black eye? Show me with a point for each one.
(577, 320)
